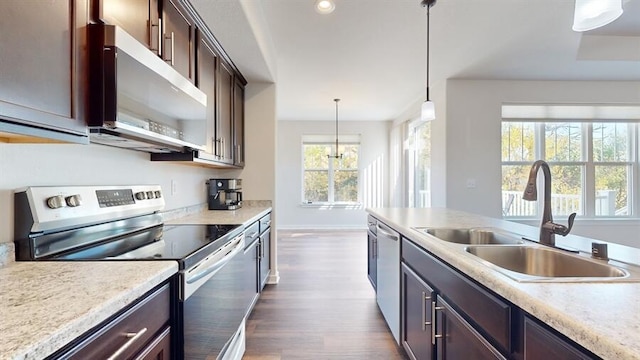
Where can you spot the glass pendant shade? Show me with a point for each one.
(592, 14)
(428, 111)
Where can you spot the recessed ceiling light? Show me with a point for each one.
(325, 6)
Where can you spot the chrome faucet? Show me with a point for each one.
(548, 229)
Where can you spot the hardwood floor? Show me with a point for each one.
(324, 306)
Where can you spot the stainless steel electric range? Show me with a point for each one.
(123, 223)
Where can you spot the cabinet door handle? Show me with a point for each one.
(262, 249)
(434, 336)
(155, 29)
(159, 37)
(133, 337)
(171, 37)
(424, 301)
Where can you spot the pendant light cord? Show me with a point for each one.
(336, 100)
(428, 22)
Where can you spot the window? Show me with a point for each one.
(592, 166)
(328, 180)
(419, 160)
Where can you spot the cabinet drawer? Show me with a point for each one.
(265, 223)
(491, 314)
(152, 314)
(251, 233)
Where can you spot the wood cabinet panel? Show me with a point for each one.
(42, 63)
(238, 123)
(457, 339)
(159, 348)
(224, 103)
(416, 316)
(139, 18)
(265, 263)
(145, 319)
(206, 81)
(488, 311)
(177, 39)
(540, 343)
(372, 258)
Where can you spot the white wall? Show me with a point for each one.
(372, 166)
(472, 146)
(24, 165)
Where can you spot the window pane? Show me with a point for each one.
(514, 180)
(346, 185)
(422, 168)
(566, 190)
(563, 142)
(349, 157)
(610, 142)
(518, 141)
(611, 190)
(316, 186)
(315, 156)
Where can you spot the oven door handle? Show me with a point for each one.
(214, 264)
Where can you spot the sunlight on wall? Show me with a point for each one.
(395, 166)
(373, 183)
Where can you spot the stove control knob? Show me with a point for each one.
(158, 194)
(56, 202)
(74, 200)
(150, 195)
(141, 195)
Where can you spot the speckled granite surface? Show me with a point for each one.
(244, 215)
(603, 317)
(45, 305)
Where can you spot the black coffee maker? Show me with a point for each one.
(225, 194)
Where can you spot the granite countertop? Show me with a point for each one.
(245, 215)
(604, 317)
(45, 305)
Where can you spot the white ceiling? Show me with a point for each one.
(371, 53)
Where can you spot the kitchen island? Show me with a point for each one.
(602, 317)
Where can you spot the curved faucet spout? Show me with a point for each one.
(548, 228)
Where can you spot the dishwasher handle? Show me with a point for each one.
(387, 232)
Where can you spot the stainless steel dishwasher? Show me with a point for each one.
(388, 290)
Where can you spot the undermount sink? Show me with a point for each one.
(538, 263)
(477, 236)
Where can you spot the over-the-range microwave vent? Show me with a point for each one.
(136, 96)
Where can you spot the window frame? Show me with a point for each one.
(331, 169)
(587, 163)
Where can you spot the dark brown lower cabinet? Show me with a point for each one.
(416, 313)
(471, 321)
(159, 349)
(456, 339)
(372, 261)
(142, 331)
(263, 256)
(541, 343)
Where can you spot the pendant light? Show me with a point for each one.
(592, 14)
(336, 155)
(428, 112)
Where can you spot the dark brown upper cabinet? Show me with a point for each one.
(206, 81)
(161, 25)
(238, 123)
(42, 70)
(139, 18)
(177, 39)
(224, 102)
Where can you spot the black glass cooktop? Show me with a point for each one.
(186, 244)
